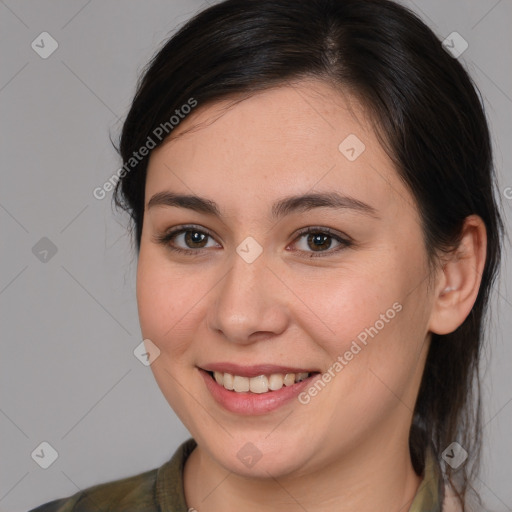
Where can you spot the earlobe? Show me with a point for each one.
(460, 277)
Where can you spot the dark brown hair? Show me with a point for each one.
(427, 113)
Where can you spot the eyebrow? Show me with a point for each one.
(281, 208)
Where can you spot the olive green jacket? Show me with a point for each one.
(161, 490)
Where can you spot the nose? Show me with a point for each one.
(249, 303)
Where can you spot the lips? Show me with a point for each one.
(255, 370)
(254, 403)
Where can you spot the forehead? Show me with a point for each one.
(290, 139)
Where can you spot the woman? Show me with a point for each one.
(311, 189)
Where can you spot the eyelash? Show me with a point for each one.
(166, 238)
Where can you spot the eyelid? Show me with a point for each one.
(323, 229)
(344, 240)
(165, 237)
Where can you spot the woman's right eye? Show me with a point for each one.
(186, 239)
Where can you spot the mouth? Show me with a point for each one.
(259, 384)
(258, 388)
(255, 393)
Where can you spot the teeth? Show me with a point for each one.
(226, 380)
(289, 379)
(301, 376)
(275, 382)
(259, 384)
(240, 384)
(218, 378)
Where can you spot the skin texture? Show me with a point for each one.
(348, 448)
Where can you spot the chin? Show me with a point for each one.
(259, 456)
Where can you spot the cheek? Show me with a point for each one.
(374, 317)
(355, 304)
(373, 353)
(165, 301)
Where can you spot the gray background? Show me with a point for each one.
(69, 325)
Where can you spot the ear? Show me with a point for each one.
(459, 279)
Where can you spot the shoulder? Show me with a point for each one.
(154, 490)
(135, 491)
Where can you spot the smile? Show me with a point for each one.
(259, 384)
(257, 394)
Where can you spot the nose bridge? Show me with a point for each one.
(246, 301)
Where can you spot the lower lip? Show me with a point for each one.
(254, 403)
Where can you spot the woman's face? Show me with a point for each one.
(255, 290)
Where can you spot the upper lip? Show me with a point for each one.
(253, 370)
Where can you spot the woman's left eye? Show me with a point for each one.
(320, 240)
(315, 241)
